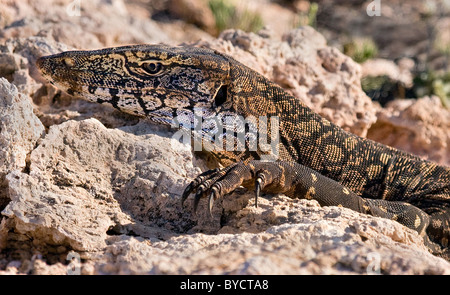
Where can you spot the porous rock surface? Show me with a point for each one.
(113, 197)
(420, 125)
(72, 187)
(19, 131)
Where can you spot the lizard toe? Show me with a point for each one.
(203, 180)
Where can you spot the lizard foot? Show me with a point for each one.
(256, 174)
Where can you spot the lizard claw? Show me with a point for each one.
(187, 191)
(212, 197)
(257, 190)
(219, 182)
(200, 193)
(194, 185)
(260, 183)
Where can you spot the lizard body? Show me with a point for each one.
(315, 158)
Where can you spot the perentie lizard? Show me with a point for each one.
(315, 159)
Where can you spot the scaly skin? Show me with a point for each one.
(313, 158)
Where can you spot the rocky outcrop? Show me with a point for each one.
(81, 180)
(113, 197)
(19, 131)
(90, 24)
(420, 126)
(400, 73)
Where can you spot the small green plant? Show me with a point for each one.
(308, 18)
(222, 12)
(249, 21)
(433, 83)
(312, 14)
(442, 45)
(361, 49)
(382, 88)
(227, 16)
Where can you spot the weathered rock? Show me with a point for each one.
(84, 178)
(420, 126)
(383, 67)
(113, 195)
(327, 245)
(19, 131)
(81, 24)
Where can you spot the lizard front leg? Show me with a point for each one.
(298, 181)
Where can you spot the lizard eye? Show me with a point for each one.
(152, 67)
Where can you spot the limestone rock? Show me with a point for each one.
(113, 196)
(81, 24)
(420, 126)
(84, 179)
(313, 246)
(19, 131)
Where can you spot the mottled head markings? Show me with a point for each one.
(178, 86)
(155, 81)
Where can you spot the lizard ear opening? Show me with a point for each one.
(221, 95)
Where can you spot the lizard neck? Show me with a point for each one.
(256, 98)
(254, 95)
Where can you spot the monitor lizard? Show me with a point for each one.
(313, 158)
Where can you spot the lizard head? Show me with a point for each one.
(198, 90)
(155, 81)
